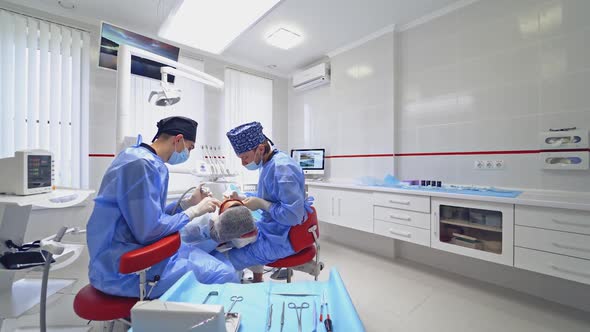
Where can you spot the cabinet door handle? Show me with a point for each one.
(396, 201)
(339, 211)
(570, 247)
(400, 217)
(404, 234)
(570, 271)
(332, 206)
(571, 223)
(436, 221)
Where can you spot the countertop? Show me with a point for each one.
(541, 198)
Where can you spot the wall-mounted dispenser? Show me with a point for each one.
(567, 139)
(575, 152)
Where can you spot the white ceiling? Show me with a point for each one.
(324, 24)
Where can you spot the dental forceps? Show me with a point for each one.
(299, 312)
(234, 299)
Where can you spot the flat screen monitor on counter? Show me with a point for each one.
(310, 160)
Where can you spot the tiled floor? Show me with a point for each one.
(405, 296)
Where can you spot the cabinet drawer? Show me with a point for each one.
(403, 232)
(409, 218)
(565, 267)
(404, 202)
(570, 244)
(556, 219)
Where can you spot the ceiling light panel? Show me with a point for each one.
(212, 25)
(283, 38)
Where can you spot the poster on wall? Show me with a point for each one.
(110, 38)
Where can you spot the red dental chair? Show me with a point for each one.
(92, 304)
(305, 241)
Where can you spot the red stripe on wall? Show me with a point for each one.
(361, 156)
(101, 155)
(455, 153)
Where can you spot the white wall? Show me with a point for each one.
(491, 76)
(353, 115)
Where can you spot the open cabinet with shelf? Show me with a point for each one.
(480, 230)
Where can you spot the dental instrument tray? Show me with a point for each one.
(24, 259)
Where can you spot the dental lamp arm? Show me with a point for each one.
(124, 116)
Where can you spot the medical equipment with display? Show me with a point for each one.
(28, 172)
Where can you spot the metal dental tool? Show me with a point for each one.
(208, 160)
(269, 319)
(299, 313)
(234, 299)
(315, 317)
(212, 293)
(283, 317)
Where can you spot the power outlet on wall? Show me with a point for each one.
(488, 164)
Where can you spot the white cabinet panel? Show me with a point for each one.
(403, 232)
(404, 202)
(323, 202)
(570, 244)
(556, 219)
(575, 269)
(348, 208)
(409, 218)
(354, 210)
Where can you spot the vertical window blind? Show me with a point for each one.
(44, 93)
(247, 98)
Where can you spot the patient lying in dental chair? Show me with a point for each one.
(233, 228)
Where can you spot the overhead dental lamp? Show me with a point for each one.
(168, 96)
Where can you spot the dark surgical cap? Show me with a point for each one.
(175, 125)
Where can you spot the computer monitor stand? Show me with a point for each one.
(314, 177)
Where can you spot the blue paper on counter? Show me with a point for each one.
(489, 192)
(258, 297)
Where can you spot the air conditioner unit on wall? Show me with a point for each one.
(312, 77)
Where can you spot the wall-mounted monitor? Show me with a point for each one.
(312, 161)
(110, 38)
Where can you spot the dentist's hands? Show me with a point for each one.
(206, 205)
(256, 203)
(198, 195)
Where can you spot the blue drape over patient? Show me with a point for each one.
(130, 213)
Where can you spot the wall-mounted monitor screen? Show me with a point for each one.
(110, 39)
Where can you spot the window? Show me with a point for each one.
(44, 97)
(247, 98)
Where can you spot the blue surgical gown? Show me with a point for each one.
(130, 213)
(282, 183)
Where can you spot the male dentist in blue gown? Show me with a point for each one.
(281, 197)
(130, 213)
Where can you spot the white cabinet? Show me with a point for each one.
(323, 203)
(477, 229)
(347, 208)
(556, 219)
(565, 267)
(402, 232)
(554, 242)
(403, 202)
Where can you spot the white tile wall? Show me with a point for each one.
(352, 115)
(490, 76)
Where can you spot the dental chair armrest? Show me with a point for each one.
(143, 258)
